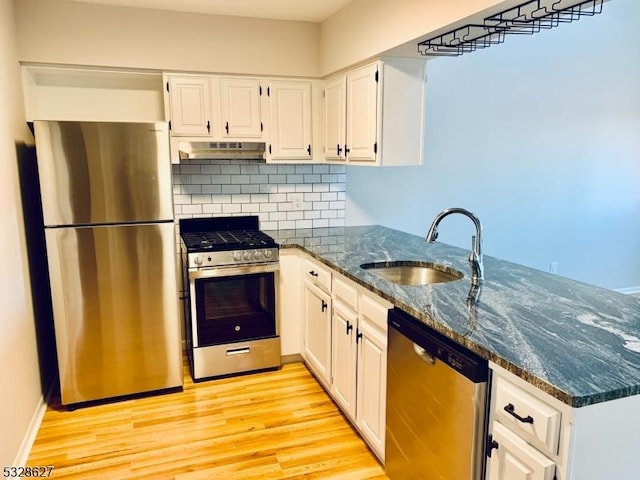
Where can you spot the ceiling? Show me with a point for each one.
(301, 10)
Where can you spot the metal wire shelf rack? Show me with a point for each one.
(527, 18)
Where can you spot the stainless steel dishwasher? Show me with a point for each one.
(436, 399)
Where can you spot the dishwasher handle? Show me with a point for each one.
(423, 354)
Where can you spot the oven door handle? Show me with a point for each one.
(228, 271)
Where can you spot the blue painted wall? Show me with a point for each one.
(540, 137)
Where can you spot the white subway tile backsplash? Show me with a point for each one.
(191, 169)
(230, 169)
(192, 209)
(210, 169)
(213, 208)
(295, 178)
(201, 199)
(201, 179)
(250, 188)
(181, 199)
(243, 187)
(304, 168)
(231, 189)
(229, 208)
(329, 196)
(286, 169)
(191, 189)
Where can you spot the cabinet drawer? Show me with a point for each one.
(317, 274)
(515, 459)
(374, 310)
(345, 292)
(530, 417)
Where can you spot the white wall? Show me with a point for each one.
(20, 392)
(540, 136)
(57, 31)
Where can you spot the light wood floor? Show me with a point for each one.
(272, 425)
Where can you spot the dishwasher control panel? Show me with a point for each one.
(440, 347)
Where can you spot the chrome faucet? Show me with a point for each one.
(475, 257)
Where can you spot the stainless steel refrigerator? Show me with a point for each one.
(107, 204)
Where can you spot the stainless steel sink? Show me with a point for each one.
(413, 273)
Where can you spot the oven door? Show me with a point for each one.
(233, 304)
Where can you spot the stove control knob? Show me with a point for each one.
(257, 254)
(198, 260)
(268, 254)
(237, 256)
(247, 255)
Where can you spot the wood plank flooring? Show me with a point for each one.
(271, 425)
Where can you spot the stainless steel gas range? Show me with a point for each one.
(230, 271)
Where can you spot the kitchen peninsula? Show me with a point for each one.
(573, 343)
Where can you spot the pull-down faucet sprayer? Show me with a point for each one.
(475, 257)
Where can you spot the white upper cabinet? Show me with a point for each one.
(376, 113)
(189, 105)
(362, 114)
(335, 103)
(241, 112)
(290, 129)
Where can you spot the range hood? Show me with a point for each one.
(224, 150)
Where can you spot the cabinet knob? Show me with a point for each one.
(208, 126)
(226, 127)
(349, 327)
(346, 150)
(491, 444)
(324, 305)
(338, 149)
(309, 150)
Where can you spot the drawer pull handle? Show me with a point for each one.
(510, 409)
(313, 273)
(238, 351)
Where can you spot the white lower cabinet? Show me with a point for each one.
(372, 372)
(535, 436)
(317, 331)
(515, 459)
(344, 344)
(344, 357)
(359, 359)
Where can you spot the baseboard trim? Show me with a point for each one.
(629, 291)
(293, 358)
(34, 426)
(31, 433)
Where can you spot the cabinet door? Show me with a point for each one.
(372, 385)
(290, 127)
(334, 118)
(343, 353)
(317, 331)
(190, 106)
(515, 459)
(241, 108)
(362, 114)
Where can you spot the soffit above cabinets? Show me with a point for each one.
(306, 11)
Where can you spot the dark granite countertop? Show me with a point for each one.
(579, 343)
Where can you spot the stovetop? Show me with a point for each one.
(226, 240)
(220, 241)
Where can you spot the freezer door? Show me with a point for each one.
(115, 309)
(104, 172)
